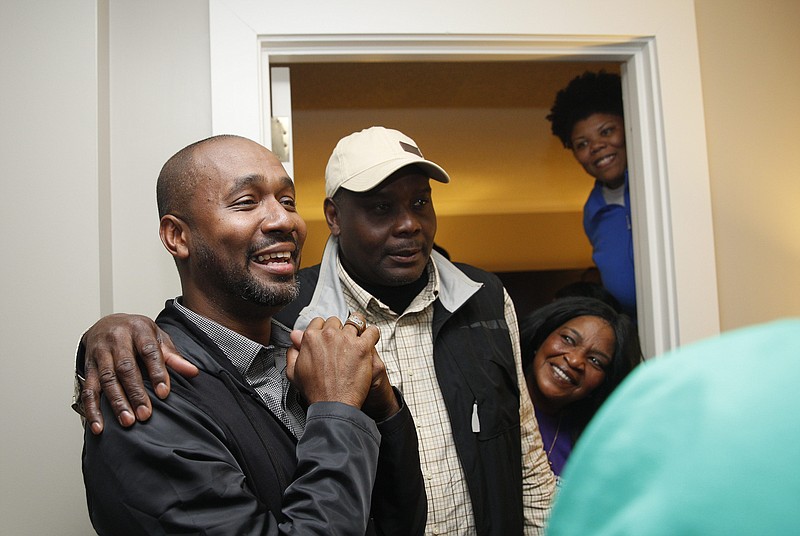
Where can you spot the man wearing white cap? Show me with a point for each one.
(449, 337)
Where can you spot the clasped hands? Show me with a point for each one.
(331, 362)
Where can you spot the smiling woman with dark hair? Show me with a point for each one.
(575, 351)
(587, 117)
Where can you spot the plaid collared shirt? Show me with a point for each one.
(263, 367)
(406, 347)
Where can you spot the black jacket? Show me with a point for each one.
(214, 460)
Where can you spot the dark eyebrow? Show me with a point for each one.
(248, 180)
(600, 127)
(579, 337)
(576, 139)
(287, 182)
(575, 333)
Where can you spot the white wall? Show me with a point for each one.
(160, 102)
(50, 275)
(54, 208)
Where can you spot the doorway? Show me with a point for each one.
(514, 206)
(634, 59)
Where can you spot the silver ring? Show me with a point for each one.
(357, 323)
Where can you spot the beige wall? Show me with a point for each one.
(53, 178)
(750, 68)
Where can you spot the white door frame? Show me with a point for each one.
(240, 104)
(656, 296)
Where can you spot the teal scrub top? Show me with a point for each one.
(701, 441)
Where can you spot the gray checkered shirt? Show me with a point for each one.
(264, 368)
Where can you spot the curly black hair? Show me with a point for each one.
(537, 326)
(587, 94)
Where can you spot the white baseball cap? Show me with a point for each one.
(363, 160)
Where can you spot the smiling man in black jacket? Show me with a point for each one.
(279, 431)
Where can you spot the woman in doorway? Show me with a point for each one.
(575, 351)
(587, 117)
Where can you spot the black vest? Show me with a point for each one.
(474, 363)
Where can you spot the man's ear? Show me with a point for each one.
(174, 234)
(332, 216)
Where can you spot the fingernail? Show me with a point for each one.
(162, 390)
(126, 418)
(142, 413)
(96, 428)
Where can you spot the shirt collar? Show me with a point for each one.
(363, 298)
(240, 350)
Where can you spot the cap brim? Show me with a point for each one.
(374, 176)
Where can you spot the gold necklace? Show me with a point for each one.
(555, 438)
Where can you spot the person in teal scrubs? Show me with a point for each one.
(704, 440)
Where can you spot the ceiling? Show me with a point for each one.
(516, 196)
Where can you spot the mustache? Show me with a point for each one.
(406, 245)
(273, 240)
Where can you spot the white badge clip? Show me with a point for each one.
(476, 423)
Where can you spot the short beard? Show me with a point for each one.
(284, 291)
(242, 284)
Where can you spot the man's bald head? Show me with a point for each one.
(180, 176)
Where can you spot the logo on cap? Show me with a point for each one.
(410, 149)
